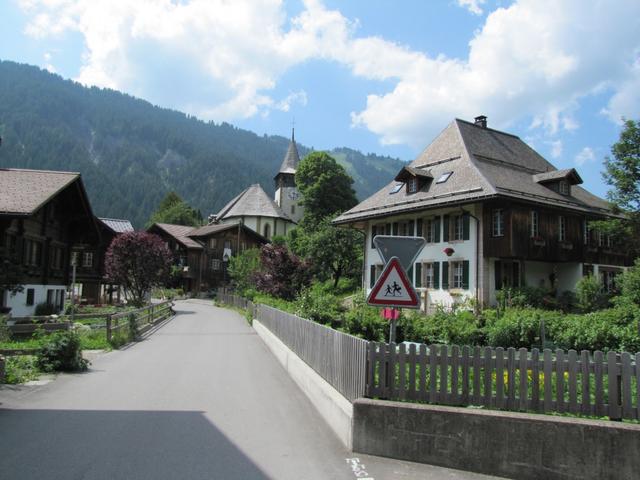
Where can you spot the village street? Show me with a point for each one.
(201, 398)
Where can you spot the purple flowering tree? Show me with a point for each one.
(282, 273)
(138, 261)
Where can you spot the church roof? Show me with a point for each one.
(252, 202)
(291, 159)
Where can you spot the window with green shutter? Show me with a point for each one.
(374, 230)
(372, 276)
(445, 228)
(465, 274)
(445, 275)
(436, 223)
(418, 282)
(419, 232)
(436, 275)
(465, 226)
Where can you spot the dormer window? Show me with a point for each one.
(564, 187)
(414, 178)
(412, 185)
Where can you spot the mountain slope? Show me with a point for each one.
(131, 153)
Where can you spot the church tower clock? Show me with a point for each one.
(287, 195)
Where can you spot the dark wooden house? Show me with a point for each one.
(43, 215)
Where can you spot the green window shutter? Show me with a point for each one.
(395, 229)
(445, 229)
(374, 232)
(419, 231)
(465, 275)
(410, 228)
(445, 275)
(436, 233)
(436, 275)
(387, 229)
(498, 274)
(465, 226)
(372, 276)
(418, 282)
(410, 274)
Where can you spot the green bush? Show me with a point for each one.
(589, 295)
(61, 351)
(314, 303)
(43, 309)
(533, 297)
(21, 369)
(629, 283)
(458, 327)
(364, 321)
(518, 327)
(70, 308)
(611, 329)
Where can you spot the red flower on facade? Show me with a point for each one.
(449, 251)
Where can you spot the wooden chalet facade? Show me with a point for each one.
(43, 216)
(494, 213)
(203, 253)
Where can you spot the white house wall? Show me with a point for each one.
(18, 302)
(434, 252)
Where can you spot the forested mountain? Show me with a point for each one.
(131, 153)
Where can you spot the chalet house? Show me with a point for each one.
(220, 242)
(494, 214)
(91, 285)
(253, 207)
(43, 215)
(187, 252)
(203, 253)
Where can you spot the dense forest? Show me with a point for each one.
(131, 153)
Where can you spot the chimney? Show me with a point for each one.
(481, 121)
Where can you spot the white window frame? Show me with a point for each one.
(429, 275)
(562, 228)
(600, 239)
(458, 227)
(430, 230)
(215, 264)
(457, 274)
(213, 243)
(564, 187)
(412, 185)
(585, 232)
(87, 259)
(535, 224)
(497, 222)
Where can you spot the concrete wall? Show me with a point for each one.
(513, 445)
(335, 409)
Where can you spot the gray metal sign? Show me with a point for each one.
(406, 249)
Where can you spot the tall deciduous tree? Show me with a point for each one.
(138, 261)
(174, 210)
(622, 173)
(325, 186)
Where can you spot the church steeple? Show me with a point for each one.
(291, 159)
(287, 196)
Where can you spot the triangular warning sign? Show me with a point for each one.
(393, 288)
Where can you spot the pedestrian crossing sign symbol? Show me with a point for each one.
(393, 288)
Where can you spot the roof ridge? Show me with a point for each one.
(487, 128)
(35, 170)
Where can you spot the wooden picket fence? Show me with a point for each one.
(144, 318)
(517, 380)
(227, 298)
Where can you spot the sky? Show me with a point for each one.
(380, 76)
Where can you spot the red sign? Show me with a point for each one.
(393, 288)
(390, 313)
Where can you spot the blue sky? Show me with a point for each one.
(379, 76)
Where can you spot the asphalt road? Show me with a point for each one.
(200, 398)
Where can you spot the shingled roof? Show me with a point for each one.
(482, 163)
(221, 227)
(252, 202)
(23, 192)
(179, 233)
(291, 159)
(118, 225)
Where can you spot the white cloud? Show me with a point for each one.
(47, 63)
(472, 5)
(586, 155)
(533, 61)
(556, 148)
